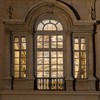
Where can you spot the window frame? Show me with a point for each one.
(49, 32)
(19, 35)
(79, 36)
(48, 49)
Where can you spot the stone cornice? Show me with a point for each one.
(33, 92)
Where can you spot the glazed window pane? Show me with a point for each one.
(40, 26)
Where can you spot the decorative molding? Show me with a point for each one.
(92, 10)
(10, 11)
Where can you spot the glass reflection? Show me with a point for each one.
(23, 53)
(23, 39)
(50, 27)
(76, 67)
(82, 72)
(46, 38)
(39, 60)
(46, 54)
(23, 45)
(40, 26)
(53, 38)
(76, 75)
(53, 54)
(23, 60)
(53, 21)
(16, 39)
(39, 74)
(16, 46)
(83, 75)
(83, 47)
(53, 68)
(53, 74)
(60, 67)
(39, 54)
(23, 70)
(16, 54)
(16, 60)
(76, 54)
(16, 74)
(60, 60)
(76, 40)
(59, 26)
(60, 38)
(46, 67)
(83, 62)
(53, 60)
(39, 45)
(83, 68)
(60, 54)
(60, 74)
(76, 61)
(83, 40)
(76, 46)
(45, 21)
(46, 44)
(16, 67)
(40, 68)
(20, 57)
(60, 44)
(53, 44)
(46, 74)
(46, 60)
(23, 74)
(39, 38)
(83, 54)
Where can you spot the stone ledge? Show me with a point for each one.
(32, 92)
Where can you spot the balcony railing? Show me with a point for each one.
(49, 84)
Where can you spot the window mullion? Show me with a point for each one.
(50, 62)
(80, 57)
(20, 57)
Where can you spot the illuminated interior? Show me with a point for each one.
(50, 25)
(20, 57)
(80, 58)
(50, 56)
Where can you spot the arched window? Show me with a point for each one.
(50, 25)
(49, 41)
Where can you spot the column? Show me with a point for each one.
(7, 76)
(69, 78)
(30, 77)
(91, 78)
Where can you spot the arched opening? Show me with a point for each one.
(49, 55)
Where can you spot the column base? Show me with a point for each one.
(7, 83)
(69, 84)
(92, 83)
(23, 84)
(81, 85)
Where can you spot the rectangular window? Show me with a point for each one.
(80, 57)
(19, 54)
(49, 61)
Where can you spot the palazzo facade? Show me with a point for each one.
(49, 49)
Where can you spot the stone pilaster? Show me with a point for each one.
(7, 76)
(69, 78)
(91, 79)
